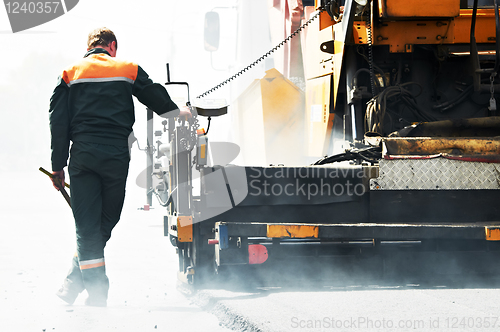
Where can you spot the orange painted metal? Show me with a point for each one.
(492, 233)
(292, 231)
(360, 33)
(485, 26)
(402, 35)
(418, 8)
(185, 229)
(325, 20)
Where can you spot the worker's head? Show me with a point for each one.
(103, 38)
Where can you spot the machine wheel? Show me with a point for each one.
(196, 255)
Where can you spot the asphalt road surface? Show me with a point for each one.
(37, 242)
(357, 308)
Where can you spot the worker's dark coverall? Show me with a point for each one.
(92, 106)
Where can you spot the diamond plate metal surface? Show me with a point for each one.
(436, 174)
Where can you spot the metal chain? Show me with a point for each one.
(293, 34)
(492, 80)
(493, 102)
(194, 126)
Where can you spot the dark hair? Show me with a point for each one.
(101, 37)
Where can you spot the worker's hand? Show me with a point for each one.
(58, 177)
(185, 111)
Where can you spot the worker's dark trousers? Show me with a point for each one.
(98, 174)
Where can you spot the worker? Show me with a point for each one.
(92, 107)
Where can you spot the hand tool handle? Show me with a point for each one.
(58, 183)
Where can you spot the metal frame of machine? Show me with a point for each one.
(411, 88)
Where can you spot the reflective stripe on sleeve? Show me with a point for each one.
(92, 263)
(101, 79)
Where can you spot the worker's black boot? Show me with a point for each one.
(97, 285)
(73, 284)
(96, 302)
(67, 295)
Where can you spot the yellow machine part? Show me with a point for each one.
(203, 151)
(319, 121)
(270, 121)
(292, 231)
(185, 229)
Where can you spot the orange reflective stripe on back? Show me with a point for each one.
(100, 68)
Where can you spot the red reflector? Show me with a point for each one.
(213, 241)
(257, 254)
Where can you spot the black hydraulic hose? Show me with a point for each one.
(473, 23)
(355, 76)
(497, 25)
(418, 111)
(452, 103)
(373, 161)
(400, 68)
(208, 126)
(374, 152)
(164, 204)
(169, 200)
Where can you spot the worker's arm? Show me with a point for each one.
(154, 96)
(59, 126)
